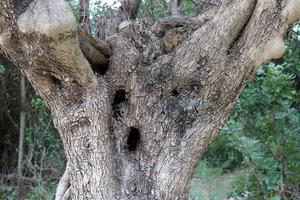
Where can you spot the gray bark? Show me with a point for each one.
(136, 128)
(22, 126)
(84, 20)
(175, 7)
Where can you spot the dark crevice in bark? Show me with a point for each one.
(56, 82)
(174, 92)
(20, 6)
(133, 139)
(119, 97)
(297, 83)
(100, 69)
(119, 102)
(278, 61)
(233, 46)
(280, 4)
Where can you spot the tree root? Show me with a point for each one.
(63, 188)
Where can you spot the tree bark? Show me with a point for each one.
(175, 7)
(22, 126)
(136, 128)
(84, 10)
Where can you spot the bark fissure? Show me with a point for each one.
(133, 139)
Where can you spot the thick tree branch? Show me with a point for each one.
(213, 39)
(206, 5)
(96, 51)
(220, 57)
(267, 42)
(176, 29)
(130, 7)
(42, 42)
(63, 185)
(109, 25)
(161, 26)
(175, 7)
(84, 10)
(99, 45)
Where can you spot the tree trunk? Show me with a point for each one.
(22, 126)
(136, 126)
(84, 19)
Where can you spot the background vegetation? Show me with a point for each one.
(256, 156)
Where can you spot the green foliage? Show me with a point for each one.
(44, 158)
(262, 134)
(42, 138)
(99, 10)
(188, 7)
(37, 102)
(5, 192)
(44, 191)
(74, 4)
(153, 10)
(209, 183)
(2, 69)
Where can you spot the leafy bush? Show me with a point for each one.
(262, 134)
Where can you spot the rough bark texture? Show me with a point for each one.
(175, 7)
(22, 126)
(84, 20)
(137, 129)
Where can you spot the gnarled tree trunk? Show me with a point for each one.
(137, 109)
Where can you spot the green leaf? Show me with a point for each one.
(2, 69)
(276, 197)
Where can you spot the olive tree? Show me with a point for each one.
(137, 105)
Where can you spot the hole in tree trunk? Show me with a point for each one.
(119, 104)
(174, 92)
(100, 69)
(56, 82)
(119, 97)
(133, 139)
